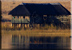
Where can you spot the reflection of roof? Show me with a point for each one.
(39, 8)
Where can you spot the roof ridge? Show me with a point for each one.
(41, 3)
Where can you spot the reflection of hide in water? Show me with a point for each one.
(64, 42)
(41, 42)
(20, 41)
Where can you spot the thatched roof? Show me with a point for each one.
(26, 9)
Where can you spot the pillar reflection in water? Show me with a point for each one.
(19, 42)
(27, 42)
(64, 42)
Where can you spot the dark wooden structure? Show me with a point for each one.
(38, 9)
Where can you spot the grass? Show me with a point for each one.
(45, 31)
(6, 25)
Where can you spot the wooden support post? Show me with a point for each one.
(31, 21)
(21, 25)
(12, 25)
(40, 26)
(23, 16)
(15, 26)
(24, 26)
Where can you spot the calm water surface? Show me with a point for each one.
(27, 42)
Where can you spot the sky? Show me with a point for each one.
(34, 0)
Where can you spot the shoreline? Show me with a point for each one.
(38, 32)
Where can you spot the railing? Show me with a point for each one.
(20, 21)
(63, 19)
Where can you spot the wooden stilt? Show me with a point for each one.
(40, 26)
(14, 26)
(21, 25)
(24, 26)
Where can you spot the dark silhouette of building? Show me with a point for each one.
(40, 9)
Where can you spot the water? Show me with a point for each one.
(27, 42)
